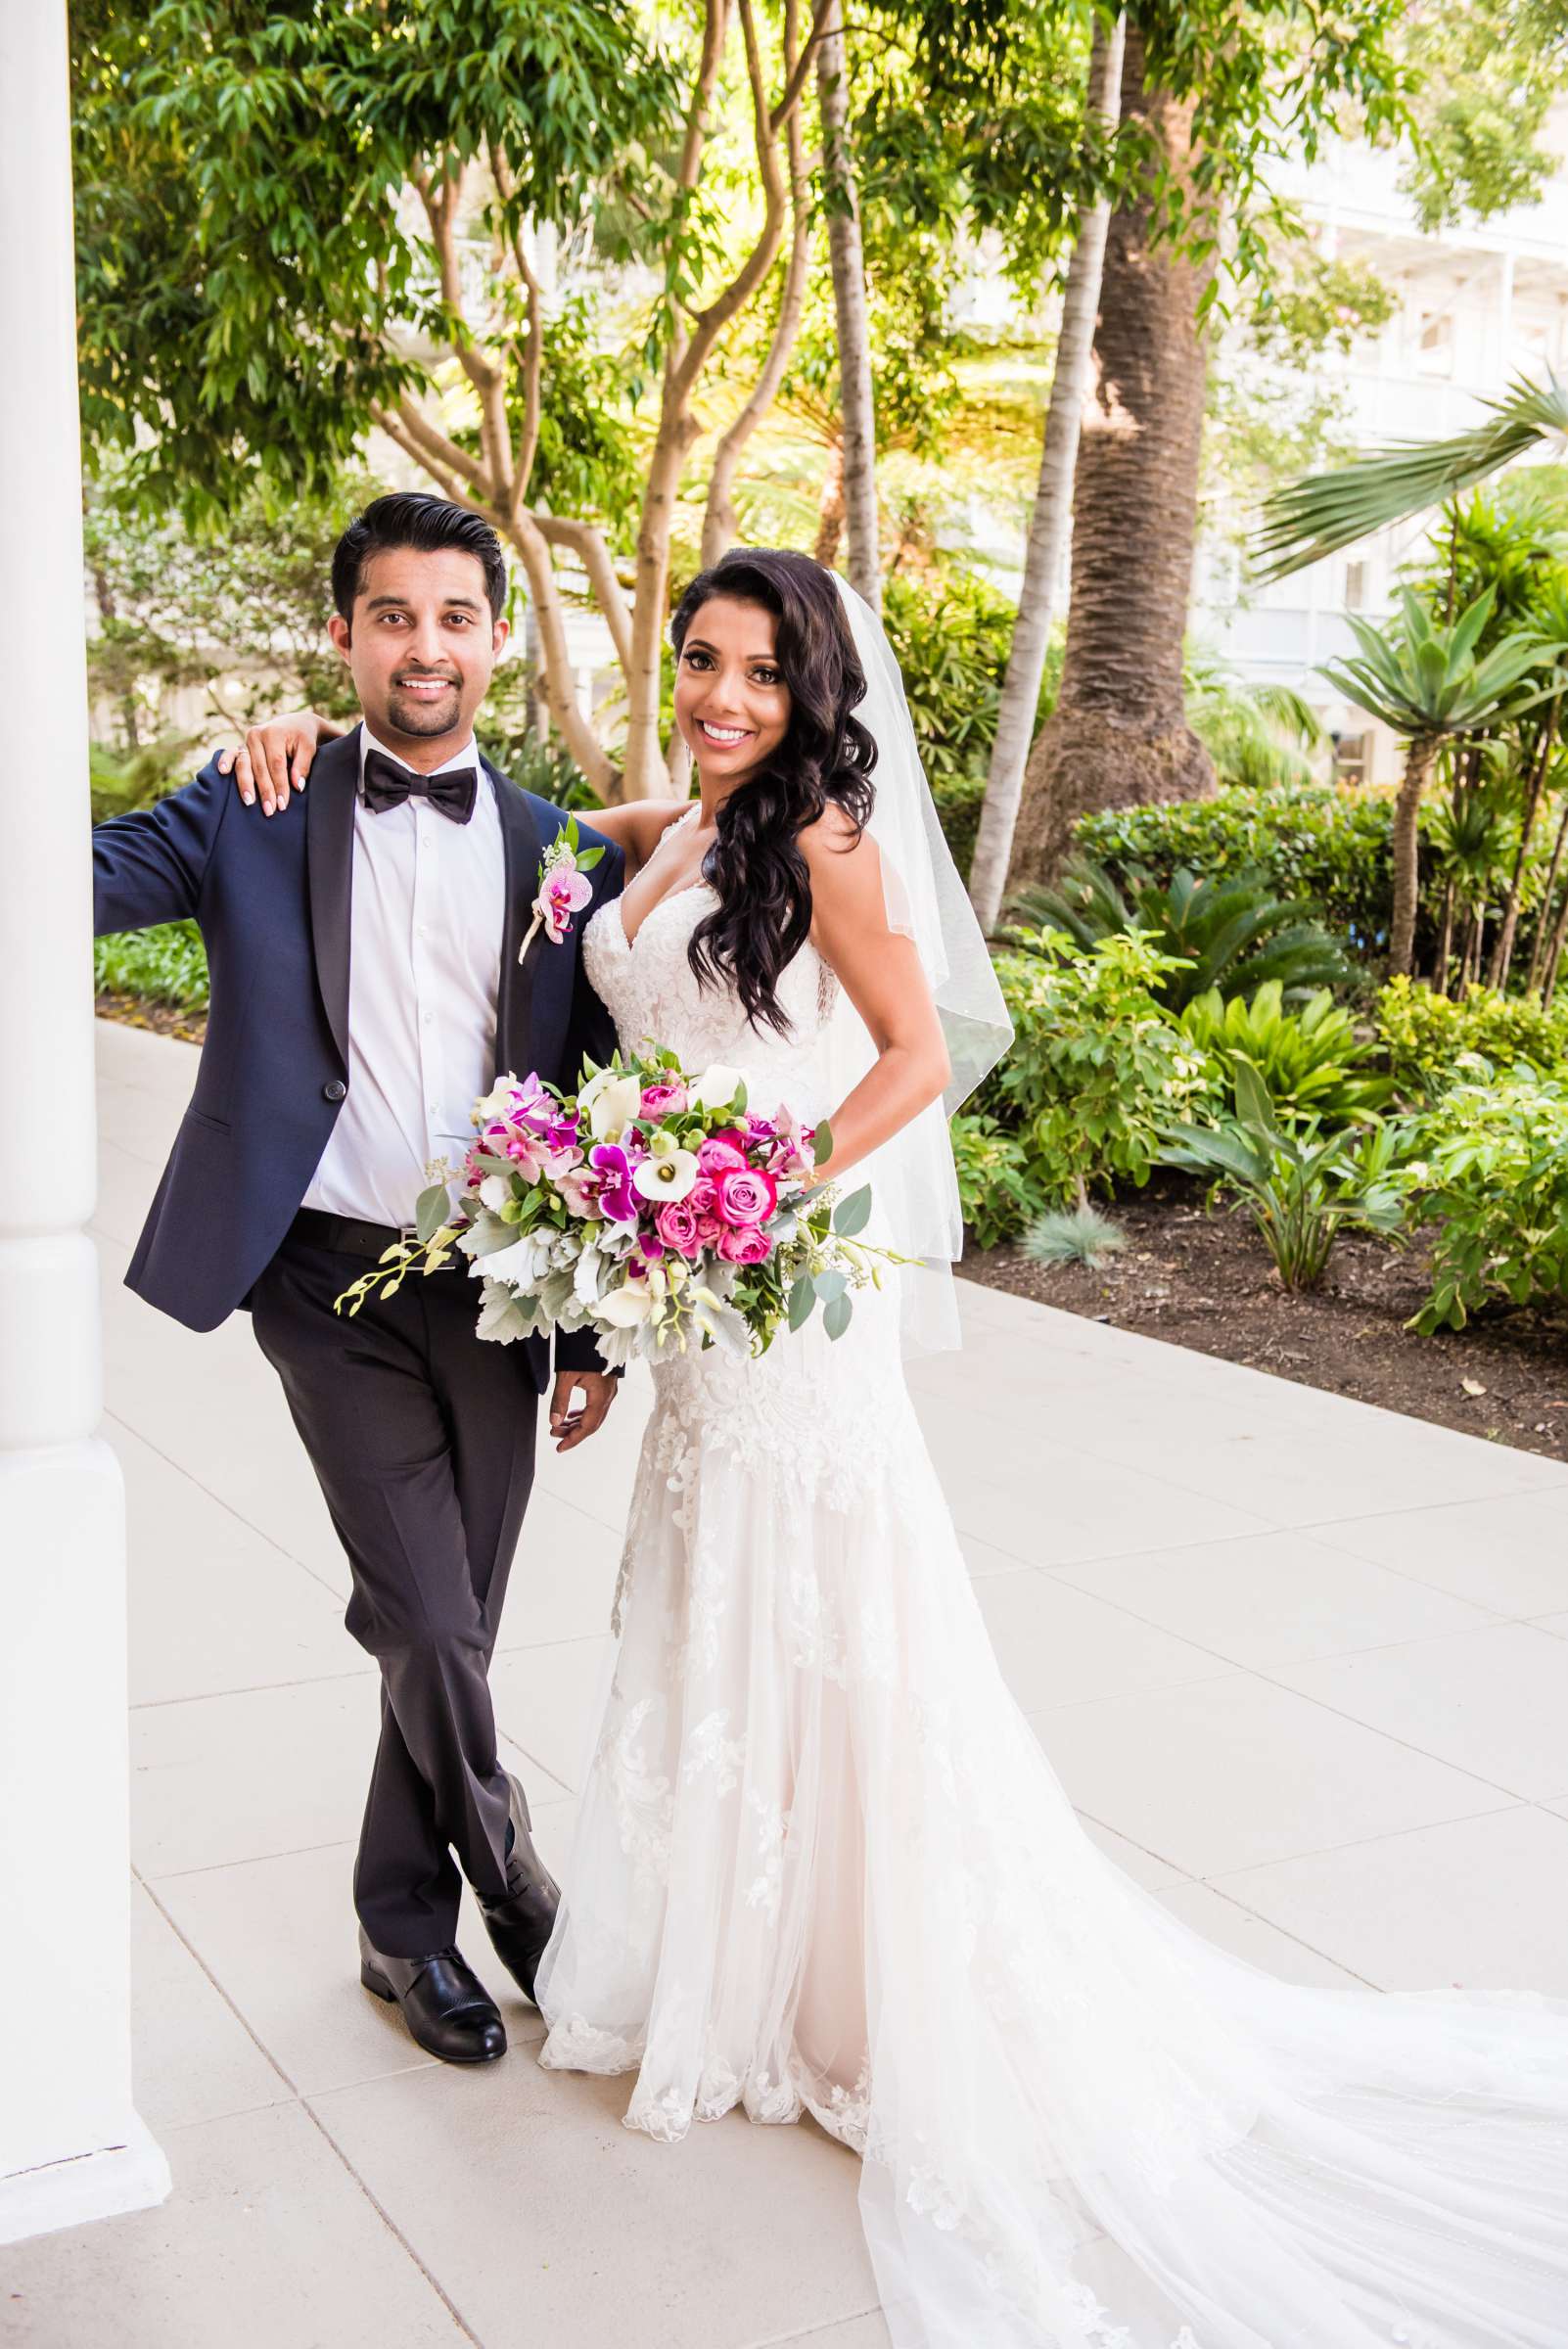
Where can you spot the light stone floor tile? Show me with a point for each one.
(1509, 1554)
(547, 1703)
(252, 1774)
(1481, 1902)
(1243, 1935)
(214, 1605)
(1144, 1867)
(281, 1937)
(869, 2331)
(1492, 1701)
(542, 2215)
(194, 2059)
(1059, 1648)
(1273, 1598)
(1228, 1773)
(267, 2242)
(1046, 1505)
(563, 1580)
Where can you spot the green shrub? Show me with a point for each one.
(164, 965)
(1310, 1061)
(1493, 1168)
(997, 1189)
(1308, 841)
(1096, 1066)
(958, 804)
(1233, 933)
(1304, 1187)
(1431, 1041)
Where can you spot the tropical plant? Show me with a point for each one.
(1311, 1062)
(1097, 1064)
(119, 782)
(1233, 933)
(1431, 1041)
(167, 964)
(1328, 845)
(1258, 735)
(1074, 1235)
(998, 1190)
(1492, 1173)
(1302, 1187)
(1332, 510)
(1425, 680)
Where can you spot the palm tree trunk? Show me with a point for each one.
(1118, 733)
(1440, 977)
(1048, 524)
(1559, 933)
(1502, 951)
(850, 304)
(1538, 942)
(1408, 853)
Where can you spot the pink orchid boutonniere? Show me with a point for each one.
(564, 889)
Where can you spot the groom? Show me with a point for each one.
(366, 990)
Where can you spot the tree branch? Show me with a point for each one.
(486, 375)
(600, 770)
(532, 356)
(797, 74)
(588, 545)
(708, 323)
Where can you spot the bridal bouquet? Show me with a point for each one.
(654, 1207)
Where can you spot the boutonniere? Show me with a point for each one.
(562, 888)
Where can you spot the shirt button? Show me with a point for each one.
(427, 1017)
(335, 1090)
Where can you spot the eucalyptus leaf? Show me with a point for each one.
(431, 1211)
(822, 1144)
(853, 1214)
(803, 1298)
(835, 1316)
(829, 1285)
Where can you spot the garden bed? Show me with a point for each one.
(1205, 1281)
(160, 1019)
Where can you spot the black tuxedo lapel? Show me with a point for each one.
(330, 801)
(514, 1001)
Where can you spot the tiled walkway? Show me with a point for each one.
(1303, 1665)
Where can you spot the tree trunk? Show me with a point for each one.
(1502, 951)
(1440, 977)
(1118, 733)
(1047, 524)
(850, 304)
(1406, 853)
(1537, 945)
(830, 511)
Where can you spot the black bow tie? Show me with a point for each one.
(389, 785)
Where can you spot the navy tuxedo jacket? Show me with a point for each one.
(271, 900)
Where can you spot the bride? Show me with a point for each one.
(822, 1864)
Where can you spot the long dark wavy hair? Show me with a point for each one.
(755, 866)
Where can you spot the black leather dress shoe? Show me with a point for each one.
(521, 1924)
(447, 2007)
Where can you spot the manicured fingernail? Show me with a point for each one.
(249, 797)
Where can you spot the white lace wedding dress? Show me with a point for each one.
(823, 1865)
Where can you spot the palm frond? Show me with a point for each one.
(1316, 517)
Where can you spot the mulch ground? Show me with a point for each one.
(1205, 1281)
(158, 1019)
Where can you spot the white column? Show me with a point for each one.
(71, 2144)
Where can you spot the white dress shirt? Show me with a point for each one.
(428, 909)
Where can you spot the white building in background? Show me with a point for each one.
(1478, 306)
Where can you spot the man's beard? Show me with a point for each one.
(418, 719)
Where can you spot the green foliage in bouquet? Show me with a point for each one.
(1492, 1172)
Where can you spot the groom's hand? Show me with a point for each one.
(569, 1426)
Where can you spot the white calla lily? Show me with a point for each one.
(626, 1308)
(615, 1101)
(716, 1086)
(665, 1174)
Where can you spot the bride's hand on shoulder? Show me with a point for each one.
(276, 758)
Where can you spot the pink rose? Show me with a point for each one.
(708, 1229)
(746, 1196)
(660, 1098)
(743, 1244)
(702, 1197)
(719, 1154)
(677, 1226)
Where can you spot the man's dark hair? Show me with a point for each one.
(413, 518)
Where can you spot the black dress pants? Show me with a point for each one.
(422, 1437)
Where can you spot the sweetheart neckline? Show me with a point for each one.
(668, 898)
